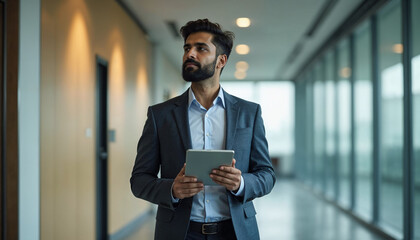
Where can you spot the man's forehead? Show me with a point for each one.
(203, 37)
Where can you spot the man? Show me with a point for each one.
(204, 117)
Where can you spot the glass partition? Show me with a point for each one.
(310, 127)
(277, 100)
(391, 140)
(363, 131)
(344, 124)
(319, 122)
(415, 66)
(330, 124)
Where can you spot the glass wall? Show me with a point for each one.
(391, 140)
(344, 123)
(330, 120)
(277, 100)
(363, 116)
(319, 122)
(309, 128)
(415, 65)
(367, 61)
(300, 114)
(244, 90)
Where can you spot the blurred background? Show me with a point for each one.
(338, 82)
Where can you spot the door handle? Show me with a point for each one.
(103, 154)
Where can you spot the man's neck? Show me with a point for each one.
(205, 92)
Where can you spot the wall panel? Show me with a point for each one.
(72, 34)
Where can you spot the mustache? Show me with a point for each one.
(191, 61)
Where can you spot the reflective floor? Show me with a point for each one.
(291, 212)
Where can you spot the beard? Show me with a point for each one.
(202, 73)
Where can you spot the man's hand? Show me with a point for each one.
(227, 176)
(185, 186)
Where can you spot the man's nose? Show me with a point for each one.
(191, 54)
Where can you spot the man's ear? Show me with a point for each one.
(222, 61)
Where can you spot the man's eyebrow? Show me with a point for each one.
(200, 44)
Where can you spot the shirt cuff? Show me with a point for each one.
(175, 200)
(240, 192)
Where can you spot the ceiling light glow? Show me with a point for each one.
(398, 48)
(243, 22)
(242, 66)
(240, 75)
(345, 72)
(242, 49)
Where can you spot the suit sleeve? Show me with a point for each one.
(260, 178)
(144, 181)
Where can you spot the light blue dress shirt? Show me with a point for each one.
(208, 131)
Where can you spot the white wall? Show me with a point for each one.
(167, 79)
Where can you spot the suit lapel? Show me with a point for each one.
(181, 118)
(232, 114)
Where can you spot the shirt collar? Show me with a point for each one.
(220, 99)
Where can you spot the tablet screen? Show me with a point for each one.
(201, 162)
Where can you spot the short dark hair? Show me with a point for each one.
(223, 40)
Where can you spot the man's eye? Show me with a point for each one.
(186, 49)
(202, 49)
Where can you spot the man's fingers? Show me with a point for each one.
(190, 190)
(222, 179)
(227, 178)
(225, 175)
(181, 186)
(184, 190)
(230, 186)
(187, 179)
(185, 186)
(182, 172)
(227, 170)
(233, 162)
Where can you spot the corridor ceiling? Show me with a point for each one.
(279, 37)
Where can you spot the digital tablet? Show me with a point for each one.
(201, 162)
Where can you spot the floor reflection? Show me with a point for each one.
(291, 212)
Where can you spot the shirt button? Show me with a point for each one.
(207, 201)
(207, 134)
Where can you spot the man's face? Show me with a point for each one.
(199, 60)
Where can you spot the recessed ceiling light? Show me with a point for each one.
(240, 75)
(345, 72)
(243, 22)
(398, 48)
(242, 49)
(242, 66)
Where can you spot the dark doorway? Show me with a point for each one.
(101, 149)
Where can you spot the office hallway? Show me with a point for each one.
(291, 212)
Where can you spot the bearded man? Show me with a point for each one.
(204, 117)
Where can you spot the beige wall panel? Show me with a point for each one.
(128, 52)
(47, 124)
(67, 157)
(73, 32)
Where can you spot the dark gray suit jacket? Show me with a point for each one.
(163, 144)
